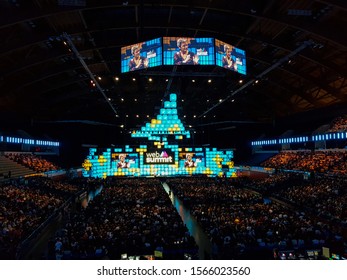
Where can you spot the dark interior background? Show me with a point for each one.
(46, 92)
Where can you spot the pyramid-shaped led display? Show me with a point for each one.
(166, 123)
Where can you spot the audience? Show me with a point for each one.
(321, 161)
(33, 162)
(130, 216)
(239, 222)
(135, 216)
(339, 124)
(26, 206)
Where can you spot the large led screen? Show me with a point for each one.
(230, 57)
(170, 160)
(188, 51)
(125, 160)
(141, 55)
(192, 159)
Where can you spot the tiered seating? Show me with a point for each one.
(332, 161)
(9, 168)
(338, 124)
(33, 162)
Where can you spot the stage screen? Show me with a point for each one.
(192, 159)
(141, 55)
(124, 160)
(169, 160)
(188, 51)
(230, 57)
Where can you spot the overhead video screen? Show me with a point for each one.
(188, 51)
(141, 55)
(230, 57)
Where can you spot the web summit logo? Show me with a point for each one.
(157, 157)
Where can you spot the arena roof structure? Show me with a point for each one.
(43, 83)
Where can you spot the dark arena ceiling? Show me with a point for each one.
(43, 85)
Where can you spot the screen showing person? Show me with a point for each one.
(230, 57)
(141, 55)
(190, 161)
(138, 61)
(228, 62)
(183, 56)
(188, 51)
(123, 162)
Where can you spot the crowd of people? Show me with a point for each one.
(326, 196)
(135, 216)
(321, 161)
(132, 217)
(240, 223)
(32, 161)
(339, 124)
(25, 206)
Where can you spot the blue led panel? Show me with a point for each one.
(171, 160)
